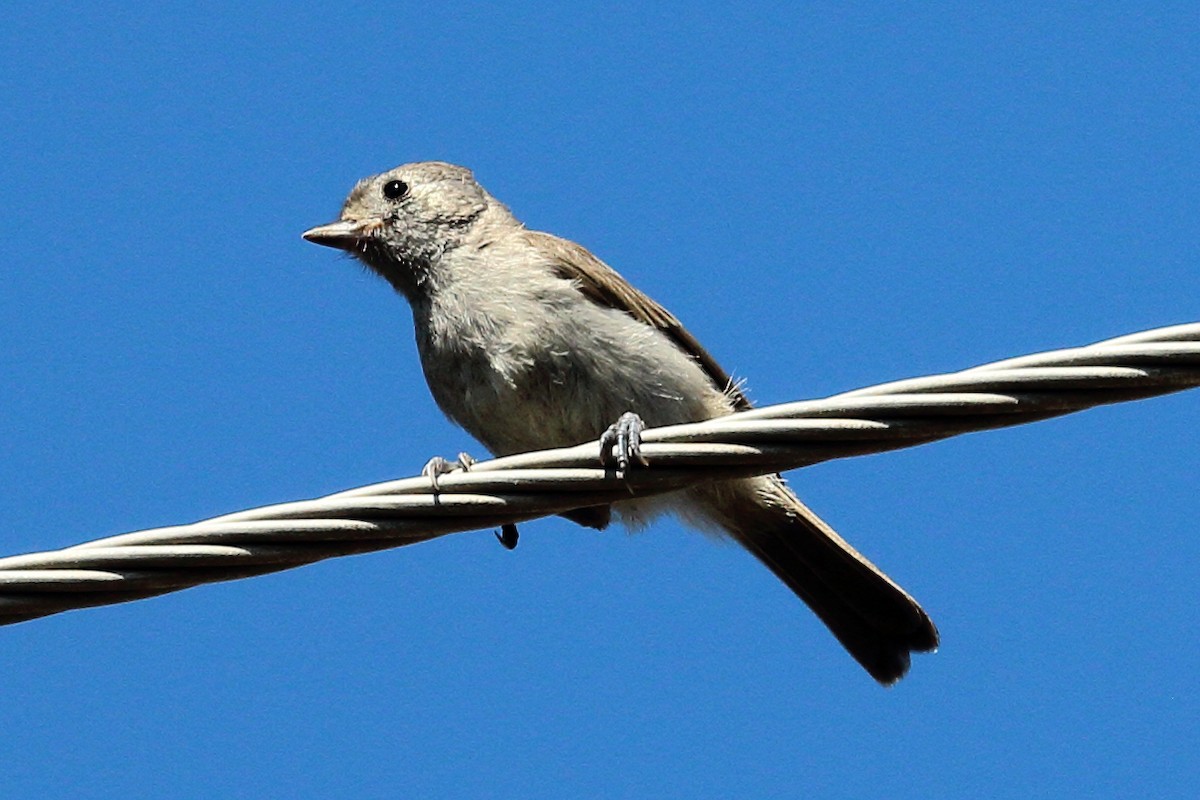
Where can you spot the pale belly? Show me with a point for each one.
(519, 392)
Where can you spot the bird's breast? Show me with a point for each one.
(524, 372)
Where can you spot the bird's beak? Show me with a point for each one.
(343, 234)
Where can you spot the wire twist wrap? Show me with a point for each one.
(879, 418)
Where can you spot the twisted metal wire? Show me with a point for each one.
(522, 487)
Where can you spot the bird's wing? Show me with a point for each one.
(602, 285)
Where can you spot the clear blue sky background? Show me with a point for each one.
(828, 195)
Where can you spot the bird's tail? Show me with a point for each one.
(873, 618)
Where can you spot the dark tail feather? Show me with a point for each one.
(873, 618)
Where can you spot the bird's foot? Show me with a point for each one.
(621, 444)
(437, 466)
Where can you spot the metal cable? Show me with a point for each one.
(522, 487)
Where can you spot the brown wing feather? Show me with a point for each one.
(603, 285)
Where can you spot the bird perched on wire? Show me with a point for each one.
(529, 341)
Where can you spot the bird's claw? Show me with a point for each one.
(621, 444)
(437, 466)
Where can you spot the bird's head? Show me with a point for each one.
(401, 222)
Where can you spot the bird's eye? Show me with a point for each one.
(394, 190)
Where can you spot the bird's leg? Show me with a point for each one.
(621, 444)
(438, 466)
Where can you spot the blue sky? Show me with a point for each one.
(829, 196)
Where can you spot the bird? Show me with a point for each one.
(528, 341)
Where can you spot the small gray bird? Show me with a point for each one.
(528, 341)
